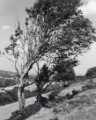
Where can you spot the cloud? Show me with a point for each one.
(5, 27)
(89, 8)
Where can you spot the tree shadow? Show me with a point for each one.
(28, 111)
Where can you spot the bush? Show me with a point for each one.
(64, 73)
(54, 118)
(91, 73)
(52, 96)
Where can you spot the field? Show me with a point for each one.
(75, 102)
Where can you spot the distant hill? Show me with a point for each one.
(7, 73)
(7, 78)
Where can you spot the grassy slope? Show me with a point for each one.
(7, 78)
(82, 106)
(66, 106)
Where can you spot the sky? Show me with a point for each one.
(12, 11)
(88, 60)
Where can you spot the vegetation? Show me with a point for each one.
(41, 79)
(91, 73)
(7, 79)
(66, 31)
(65, 71)
(55, 30)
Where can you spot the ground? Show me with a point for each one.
(76, 102)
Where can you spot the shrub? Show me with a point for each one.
(65, 72)
(91, 73)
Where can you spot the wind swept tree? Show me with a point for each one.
(55, 27)
(66, 30)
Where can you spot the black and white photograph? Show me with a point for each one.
(47, 59)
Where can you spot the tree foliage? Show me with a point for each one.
(54, 11)
(43, 77)
(66, 31)
(64, 71)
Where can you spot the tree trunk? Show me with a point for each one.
(21, 98)
(39, 96)
(40, 99)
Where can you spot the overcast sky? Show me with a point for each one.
(13, 10)
(88, 59)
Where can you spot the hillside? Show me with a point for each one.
(6, 73)
(81, 106)
(76, 102)
(7, 78)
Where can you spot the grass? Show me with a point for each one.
(69, 102)
(28, 111)
(11, 96)
(7, 97)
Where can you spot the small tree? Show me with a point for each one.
(24, 49)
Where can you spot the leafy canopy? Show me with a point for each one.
(66, 31)
(51, 27)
